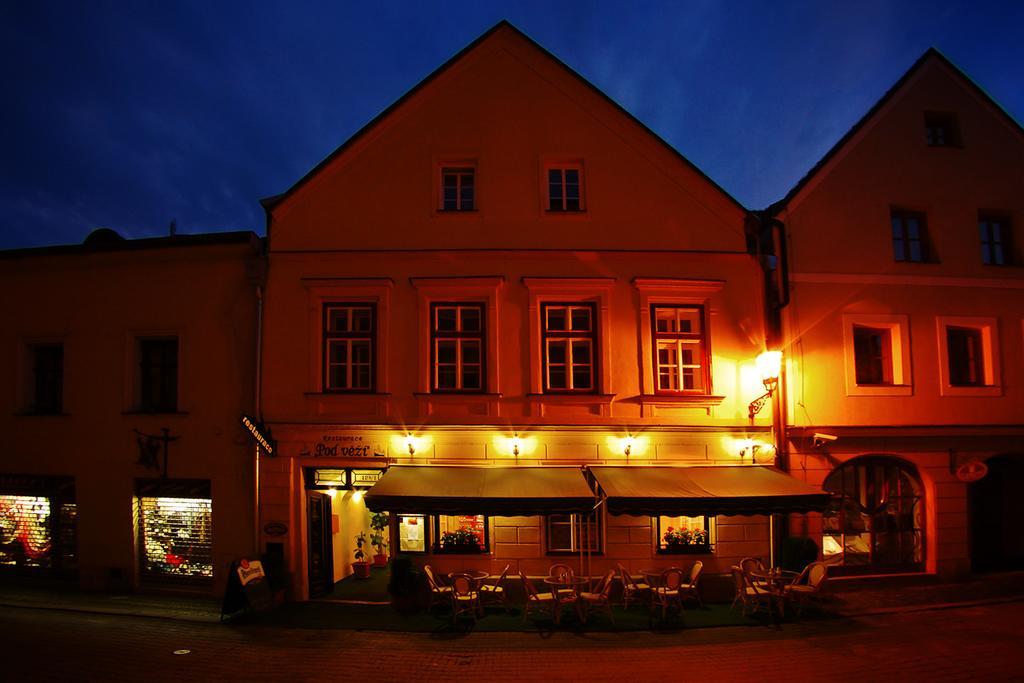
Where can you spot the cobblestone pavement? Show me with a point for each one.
(968, 643)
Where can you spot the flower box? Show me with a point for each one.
(686, 549)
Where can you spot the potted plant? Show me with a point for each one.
(361, 568)
(379, 522)
(685, 540)
(460, 541)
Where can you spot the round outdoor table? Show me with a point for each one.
(477, 575)
(653, 576)
(777, 580)
(566, 582)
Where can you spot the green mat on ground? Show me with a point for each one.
(374, 589)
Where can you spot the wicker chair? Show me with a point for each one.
(563, 571)
(630, 588)
(495, 593)
(601, 597)
(748, 594)
(439, 593)
(464, 598)
(807, 586)
(534, 600)
(753, 564)
(692, 588)
(668, 591)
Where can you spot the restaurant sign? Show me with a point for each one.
(971, 471)
(348, 446)
(366, 477)
(261, 434)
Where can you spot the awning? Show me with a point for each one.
(695, 491)
(506, 491)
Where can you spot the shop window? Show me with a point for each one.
(458, 188)
(680, 349)
(565, 188)
(349, 341)
(569, 342)
(574, 533)
(685, 534)
(158, 375)
(877, 354)
(995, 240)
(457, 346)
(38, 523)
(875, 521)
(47, 384)
(461, 534)
(909, 237)
(412, 534)
(941, 129)
(175, 529)
(969, 351)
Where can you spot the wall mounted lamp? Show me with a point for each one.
(410, 443)
(515, 445)
(627, 446)
(769, 364)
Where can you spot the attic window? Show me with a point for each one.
(458, 188)
(941, 129)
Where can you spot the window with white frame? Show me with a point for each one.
(457, 346)
(573, 533)
(569, 342)
(349, 338)
(877, 354)
(565, 188)
(680, 349)
(968, 356)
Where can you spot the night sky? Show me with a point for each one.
(128, 115)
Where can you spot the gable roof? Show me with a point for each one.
(930, 53)
(269, 203)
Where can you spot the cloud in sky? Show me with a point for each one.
(130, 115)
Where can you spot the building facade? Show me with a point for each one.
(502, 276)
(902, 330)
(127, 365)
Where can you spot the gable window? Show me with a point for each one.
(966, 356)
(680, 348)
(564, 192)
(569, 341)
(941, 129)
(573, 533)
(908, 236)
(349, 336)
(457, 343)
(158, 375)
(458, 188)
(995, 240)
(47, 378)
(872, 348)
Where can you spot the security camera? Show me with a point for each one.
(822, 439)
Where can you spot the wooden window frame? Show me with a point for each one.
(697, 549)
(987, 330)
(460, 171)
(569, 336)
(144, 404)
(435, 536)
(427, 524)
(55, 406)
(945, 121)
(973, 363)
(705, 343)
(990, 241)
(884, 358)
(561, 169)
(328, 336)
(576, 524)
(458, 336)
(901, 243)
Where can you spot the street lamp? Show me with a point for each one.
(769, 364)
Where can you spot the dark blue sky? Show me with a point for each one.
(130, 114)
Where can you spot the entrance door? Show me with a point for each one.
(318, 542)
(996, 508)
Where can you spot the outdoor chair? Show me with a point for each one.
(464, 598)
(495, 593)
(692, 588)
(807, 586)
(630, 588)
(753, 564)
(534, 600)
(563, 571)
(439, 594)
(748, 594)
(667, 592)
(601, 597)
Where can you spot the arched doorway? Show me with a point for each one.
(875, 522)
(996, 508)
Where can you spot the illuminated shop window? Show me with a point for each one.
(568, 534)
(685, 534)
(176, 537)
(412, 533)
(461, 533)
(25, 531)
(681, 349)
(457, 336)
(569, 339)
(349, 339)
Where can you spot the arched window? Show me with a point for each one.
(876, 519)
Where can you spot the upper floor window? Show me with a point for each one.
(909, 241)
(872, 349)
(564, 188)
(47, 384)
(457, 343)
(941, 129)
(158, 374)
(966, 356)
(458, 188)
(569, 341)
(349, 336)
(995, 240)
(680, 346)
(573, 534)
